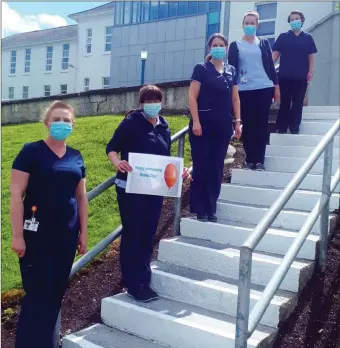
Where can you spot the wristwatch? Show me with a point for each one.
(238, 120)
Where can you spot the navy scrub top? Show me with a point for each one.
(294, 50)
(136, 134)
(51, 186)
(215, 97)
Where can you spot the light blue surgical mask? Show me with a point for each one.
(152, 110)
(249, 30)
(296, 25)
(218, 52)
(60, 130)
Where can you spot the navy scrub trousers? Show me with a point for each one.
(139, 213)
(209, 150)
(50, 251)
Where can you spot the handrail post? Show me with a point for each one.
(178, 206)
(56, 333)
(243, 300)
(324, 218)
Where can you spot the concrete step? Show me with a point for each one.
(307, 140)
(215, 293)
(176, 324)
(301, 200)
(102, 336)
(292, 165)
(275, 180)
(321, 109)
(291, 220)
(295, 151)
(224, 260)
(275, 241)
(320, 117)
(316, 128)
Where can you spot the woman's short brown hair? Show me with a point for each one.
(58, 104)
(297, 13)
(150, 93)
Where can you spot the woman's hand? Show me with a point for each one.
(19, 246)
(82, 244)
(123, 166)
(238, 130)
(309, 76)
(186, 175)
(197, 128)
(277, 94)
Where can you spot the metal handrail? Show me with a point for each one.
(243, 331)
(105, 242)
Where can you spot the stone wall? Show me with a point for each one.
(112, 101)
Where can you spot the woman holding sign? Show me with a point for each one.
(213, 97)
(142, 131)
(46, 224)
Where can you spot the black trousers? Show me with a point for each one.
(292, 95)
(45, 270)
(255, 106)
(208, 153)
(140, 215)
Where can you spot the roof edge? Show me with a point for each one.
(322, 20)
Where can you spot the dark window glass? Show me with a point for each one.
(119, 13)
(267, 11)
(266, 28)
(182, 8)
(136, 11)
(163, 9)
(145, 11)
(154, 10)
(214, 5)
(271, 41)
(213, 17)
(203, 6)
(192, 7)
(212, 29)
(173, 8)
(127, 12)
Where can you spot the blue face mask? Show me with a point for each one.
(249, 30)
(152, 110)
(296, 25)
(60, 130)
(218, 52)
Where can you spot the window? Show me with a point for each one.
(10, 92)
(182, 8)
(106, 82)
(203, 6)
(86, 84)
(154, 11)
(173, 8)
(145, 11)
(119, 13)
(66, 55)
(214, 6)
(192, 7)
(49, 57)
(47, 90)
(63, 89)
(127, 12)
(108, 38)
(88, 41)
(213, 18)
(163, 9)
(136, 11)
(27, 60)
(25, 92)
(13, 62)
(267, 12)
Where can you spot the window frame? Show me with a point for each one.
(13, 63)
(105, 86)
(267, 20)
(49, 58)
(25, 92)
(61, 88)
(88, 41)
(86, 85)
(108, 43)
(11, 92)
(27, 64)
(65, 58)
(45, 91)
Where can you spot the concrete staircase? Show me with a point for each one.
(197, 274)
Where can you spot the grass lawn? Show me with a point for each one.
(90, 136)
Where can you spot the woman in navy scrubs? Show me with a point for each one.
(142, 131)
(213, 97)
(48, 225)
(257, 81)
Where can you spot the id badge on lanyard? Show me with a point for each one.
(32, 224)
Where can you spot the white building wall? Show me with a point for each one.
(38, 77)
(96, 65)
(313, 12)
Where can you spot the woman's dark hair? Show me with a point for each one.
(297, 13)
(212, 38)
(148, 93)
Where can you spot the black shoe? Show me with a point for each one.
(281, 131)
(249, 166)
(294, 131)
(202, 218)
(260, 167)
(212, 218)
(144, 294)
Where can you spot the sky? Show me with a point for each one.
(18, 17)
